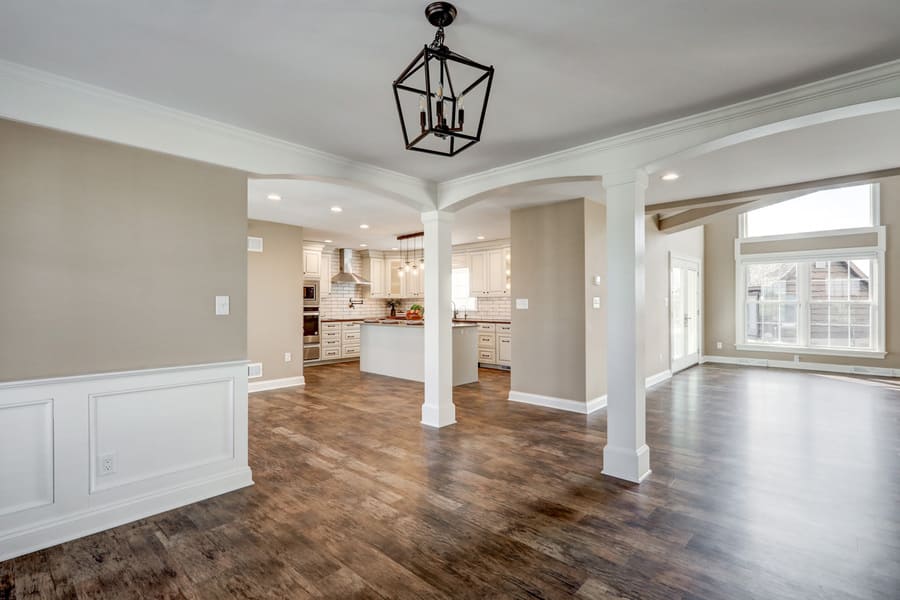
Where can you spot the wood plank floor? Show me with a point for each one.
(766, 484)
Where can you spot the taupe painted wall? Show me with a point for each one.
(719, 289)
(559, 344)
(548, 268)
(274, 299)
(111, 257)
(594, 320)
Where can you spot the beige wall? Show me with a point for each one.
(559, 343)
(548, 268)
(111, 257)
(274, 299)
(594, 320)
(719, 289)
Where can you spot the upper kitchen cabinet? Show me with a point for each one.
(415, 283)
(489, 272)
(375, 270)
(395, 281)
(325, 274)
(312, 261)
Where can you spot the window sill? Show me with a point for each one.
(817, 351)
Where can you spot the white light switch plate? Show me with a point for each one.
(222, 305)
(521, 303)
(596, 302)
(287, 357)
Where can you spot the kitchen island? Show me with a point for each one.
(398, 350)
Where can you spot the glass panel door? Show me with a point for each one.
(684, 303)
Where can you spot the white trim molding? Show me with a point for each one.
(105, 449)
(584, 408)
(49, 100)
(276, 384)
(803, 366)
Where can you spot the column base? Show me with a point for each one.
(438, 416)
(627, 464)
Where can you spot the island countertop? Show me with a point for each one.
(402, 324)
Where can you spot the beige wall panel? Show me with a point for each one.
(274, 299)
(111, 257)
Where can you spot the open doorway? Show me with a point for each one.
(684, 303)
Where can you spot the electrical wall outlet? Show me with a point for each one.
(222, 305)
(718, 345)
(107, 464)
(287, 357)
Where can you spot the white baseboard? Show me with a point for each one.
(803, 366)
(275, 384)
(558, 403)
(37, 536)
(658, 378)
(584, 408)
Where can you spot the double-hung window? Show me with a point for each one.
(815, 292)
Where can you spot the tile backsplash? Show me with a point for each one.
(337, 304)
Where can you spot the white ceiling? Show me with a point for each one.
(308, 204)
(318, 72)
(845, 147)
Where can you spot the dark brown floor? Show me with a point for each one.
(766, 484)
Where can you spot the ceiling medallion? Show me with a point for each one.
(441, 127)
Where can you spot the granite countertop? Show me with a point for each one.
(497, 321)
(399, 324)
(360, 319)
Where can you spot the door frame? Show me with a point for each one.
(692, 261)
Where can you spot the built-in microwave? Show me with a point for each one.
(310, 293)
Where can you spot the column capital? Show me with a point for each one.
(637, 177)
(441, 216)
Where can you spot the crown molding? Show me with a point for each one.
(41, 98)
(640, 148)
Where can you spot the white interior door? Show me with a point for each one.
(684, 303)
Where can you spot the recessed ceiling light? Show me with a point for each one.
(327, 241)
(363, 226)
(363, 245)
(395, 248)
(275, 197)
(337, 209)
(671, 176)
(480, 237)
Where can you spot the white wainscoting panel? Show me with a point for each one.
(176, 435)
(160, 430)
(26, 455)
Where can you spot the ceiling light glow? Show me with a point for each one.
(671, 176)
(274, 197)
(363, 226)
(336, 209)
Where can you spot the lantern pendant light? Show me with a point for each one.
(441, 106)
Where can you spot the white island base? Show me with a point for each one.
(399, 351)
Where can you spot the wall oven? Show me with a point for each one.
(311, 293)
(311, 347)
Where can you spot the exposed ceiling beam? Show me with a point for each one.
(734, 197)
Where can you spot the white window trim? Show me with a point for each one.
(874, 207)
(875, 253)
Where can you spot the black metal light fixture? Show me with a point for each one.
(441, 127)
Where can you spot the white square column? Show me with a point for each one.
(438, 409)
(626, 455)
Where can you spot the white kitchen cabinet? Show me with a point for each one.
(395, 284)
(325, 275)
(503, 349)
(478, 270)
(373, 269)
(489, 272)
(312, 261)
(415, 283)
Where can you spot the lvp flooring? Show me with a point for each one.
(766, 484)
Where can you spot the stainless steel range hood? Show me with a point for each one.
(347, 275)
